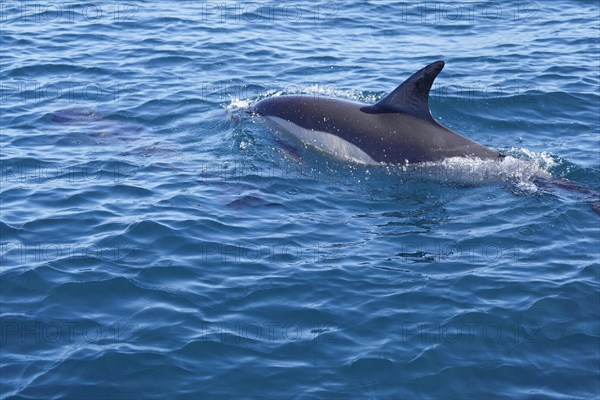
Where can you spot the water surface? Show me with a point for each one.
(157, 241)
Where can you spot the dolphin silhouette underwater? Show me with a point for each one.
(396, 130)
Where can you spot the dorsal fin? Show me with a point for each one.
(412, 96)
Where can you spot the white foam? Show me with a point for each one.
(520, 170)
(239, 104)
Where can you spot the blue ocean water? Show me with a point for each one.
(157, 241)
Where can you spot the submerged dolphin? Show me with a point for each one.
(398, 129)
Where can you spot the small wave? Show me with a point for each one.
(169, 60)
(41, 70)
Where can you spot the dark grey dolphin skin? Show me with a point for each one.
(398, 129)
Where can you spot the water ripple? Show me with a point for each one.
(156, 241)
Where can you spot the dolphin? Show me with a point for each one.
(396, 130)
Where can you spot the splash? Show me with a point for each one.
(237, 104)
(521, 169)
(316, 90)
